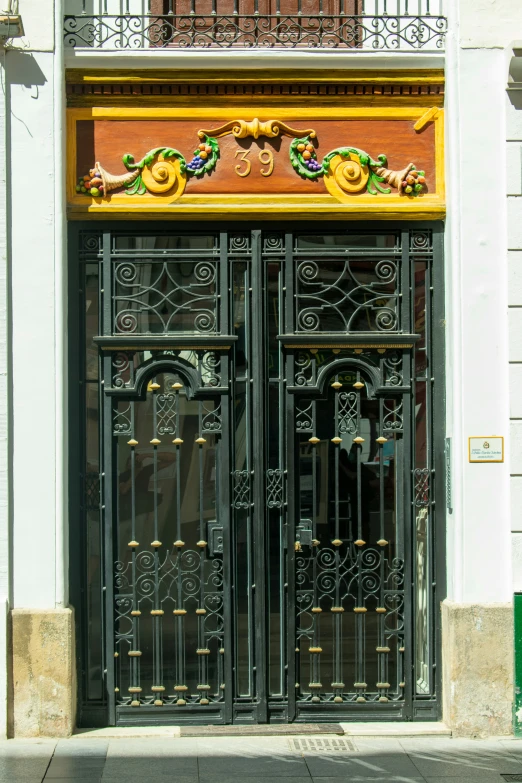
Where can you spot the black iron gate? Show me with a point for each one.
(259, 530)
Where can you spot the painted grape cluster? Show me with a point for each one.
(309, 156)
(200, 156)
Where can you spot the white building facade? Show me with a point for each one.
(291, 599)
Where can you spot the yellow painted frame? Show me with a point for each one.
(261, 206)
(265, 75)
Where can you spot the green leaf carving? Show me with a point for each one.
(168, 152)
(298, 162)
(137, 188)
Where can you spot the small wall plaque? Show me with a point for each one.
(486, 449)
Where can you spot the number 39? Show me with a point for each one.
(265, 157)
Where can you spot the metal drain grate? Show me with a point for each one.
(321, 745)
(512, 777)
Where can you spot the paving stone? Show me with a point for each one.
(289, 766)
(381, 779)
(130, 778)
(366, 766)
(95, 777)
(83, 769)
(81, 748)
(479, 768)
(153, 748)
(145, 767)
(23, 766)
(27, 748)
(260, 779)
(496, 778)
(14, 778)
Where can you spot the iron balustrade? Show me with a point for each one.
(386, 25)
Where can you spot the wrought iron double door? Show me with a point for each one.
(268, 501)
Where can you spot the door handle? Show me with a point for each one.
(303, 534)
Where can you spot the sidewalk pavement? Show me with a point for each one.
(260, 760)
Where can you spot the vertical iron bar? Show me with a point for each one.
(157, 674)
(259, 494)
(430, 509)
(437, 365)
(282, 514)
(314, 667)
(225, 515)
(404, 515)
(108, 446)
(359, 618)
(337, 640)
(293, 468)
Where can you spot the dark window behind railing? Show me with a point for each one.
(403, 25)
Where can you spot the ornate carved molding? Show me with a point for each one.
(241, 129)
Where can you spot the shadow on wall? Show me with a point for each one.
(514, 87)
(22, 68)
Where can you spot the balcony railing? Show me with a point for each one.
(372, 25)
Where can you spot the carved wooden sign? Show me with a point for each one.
(370, 163)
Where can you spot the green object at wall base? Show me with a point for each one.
(517, 701)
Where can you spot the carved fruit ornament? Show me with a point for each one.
(163, 171)
(346, 170)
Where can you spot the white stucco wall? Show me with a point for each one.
(478, 531)
(37, 288)
(513, 109)
(4, 408)
(32, 287)
(488, 23)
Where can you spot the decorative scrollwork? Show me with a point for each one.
(239, 243)
(347, 418)
(225, 30)
(175, 580)
(347, 296)
(165, 297)
(167, 413)
(392, 369)
(304, 369)
(210, 372)
(421, 241)
(422, 487)
(211, 417)
(273, 243)
(121, 363)
(392, 418)
(241, 129)
(304, 416)
(343, 580)
(274, 488)
(121, 424)
(241, 488)
(90, 243)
